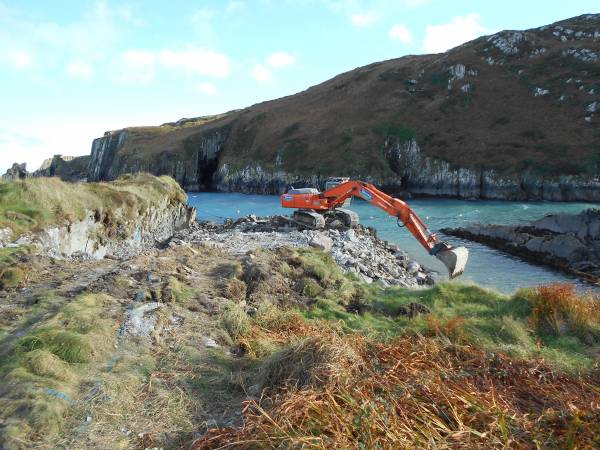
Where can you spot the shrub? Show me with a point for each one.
(235, 289)
(12, 277)
(310, 288)
(400, 131)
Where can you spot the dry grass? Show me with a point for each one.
(327, 387)
(558, 310)
(420, 393)
(310, 362)
(235, 289)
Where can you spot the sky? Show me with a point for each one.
(72, 69)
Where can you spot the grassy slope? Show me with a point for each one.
(482, 369)
(35, 203)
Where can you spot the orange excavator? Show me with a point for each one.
(315, 209)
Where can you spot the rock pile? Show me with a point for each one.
(356, 250)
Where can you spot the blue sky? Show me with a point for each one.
(72, 69)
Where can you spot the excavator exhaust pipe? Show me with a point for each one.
(454, 258)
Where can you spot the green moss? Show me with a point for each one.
(402, 132)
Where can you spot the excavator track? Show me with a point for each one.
(309, 219)
(341, 218)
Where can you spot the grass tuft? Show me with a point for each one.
(234, 320)
(312, 361)
(559, 311)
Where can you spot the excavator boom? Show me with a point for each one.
(313, 202)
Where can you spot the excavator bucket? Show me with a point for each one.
(455, 260)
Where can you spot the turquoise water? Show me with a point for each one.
(486, 266)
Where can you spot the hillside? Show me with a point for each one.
(512, 115)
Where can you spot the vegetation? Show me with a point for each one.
(36, 203)
(397, 130)
(363, 367)
(43, 372)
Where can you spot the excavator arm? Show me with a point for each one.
(454, 258)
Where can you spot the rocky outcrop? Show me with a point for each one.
(16, 172)
(253, 179)
(137, 213)
(94, 238)
(118, 152)
(421, 174)
(68, 168)
(103, 154)
(564, 241)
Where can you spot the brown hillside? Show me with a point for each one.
(511, 102)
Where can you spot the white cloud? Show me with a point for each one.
(278, 60)
(399, 32)
(439, 38)
(141, 65)
(234, 6)
(20, 59)
(363, 19)
(78, 69)
(196, 62)
(261, 73)
(136, 66)
(206, 88)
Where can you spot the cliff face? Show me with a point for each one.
(191, 159)
(68, 168)
(507, 116)
(93, 238)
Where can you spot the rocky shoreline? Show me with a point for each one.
(568, 242)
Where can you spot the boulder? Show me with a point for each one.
(321, 241)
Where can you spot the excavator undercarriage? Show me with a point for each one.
(340, 218)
